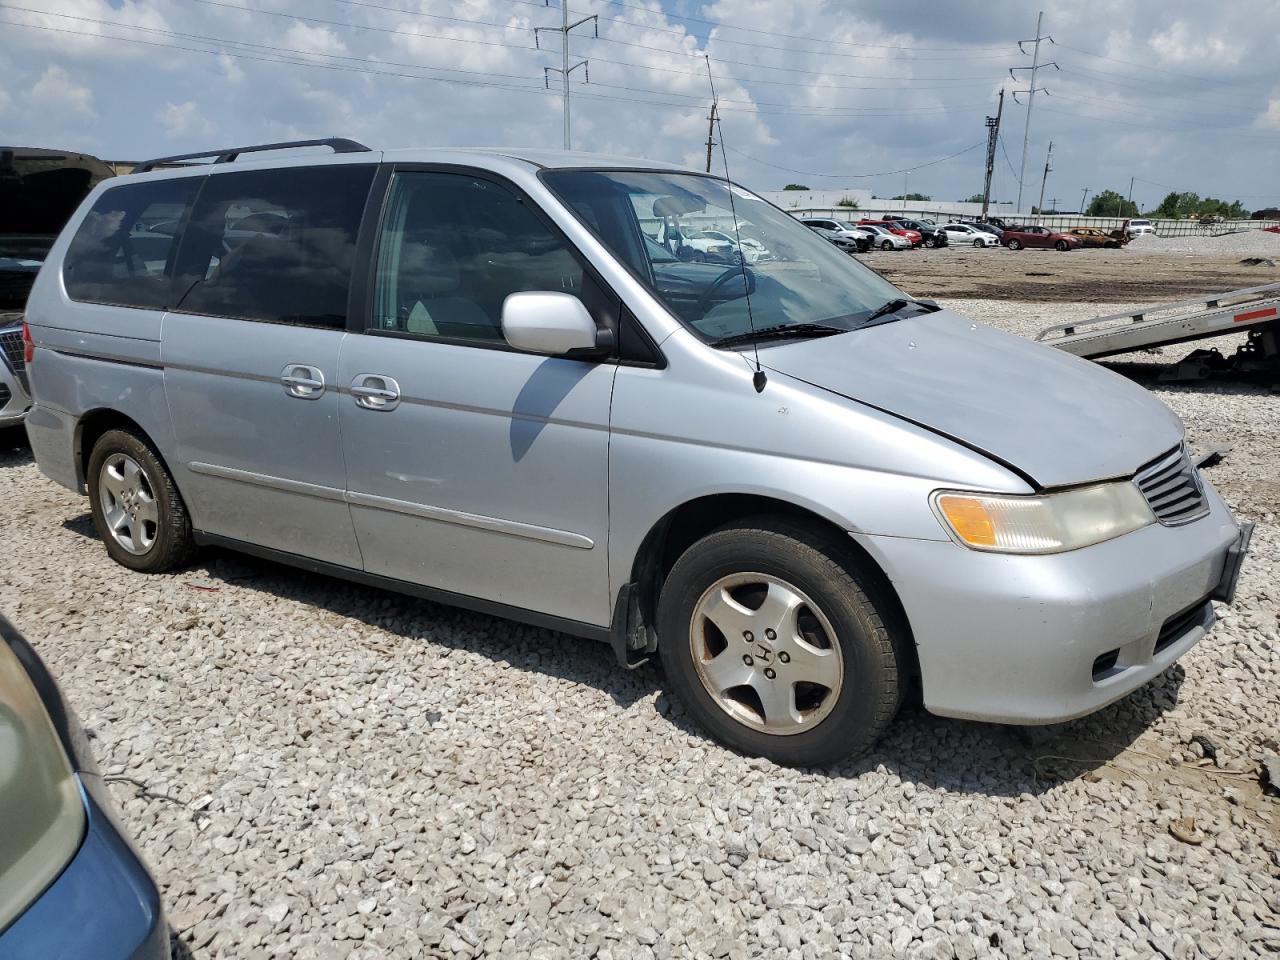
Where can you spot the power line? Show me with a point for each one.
(856, 176)
(281, 56)
(623, 63)
(1140, 66)
(685, 34)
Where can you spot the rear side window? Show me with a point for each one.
(123, 252)
(274, 245)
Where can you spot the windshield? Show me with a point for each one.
(652, 222)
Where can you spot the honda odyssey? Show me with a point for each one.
(471, 376)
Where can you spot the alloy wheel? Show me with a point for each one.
(766, 653)
(128, 504)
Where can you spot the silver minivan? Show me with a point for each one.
(480, 377)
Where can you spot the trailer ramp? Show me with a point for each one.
(1251, 310)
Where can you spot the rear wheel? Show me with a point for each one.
(1013, 245)
(136, 507)
(777, 646)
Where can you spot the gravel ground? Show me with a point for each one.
(1257, 243)
(333, 771)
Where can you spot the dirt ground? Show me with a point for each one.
(1082, 276)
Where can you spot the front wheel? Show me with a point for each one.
(1014, 245)
(886, 245)
(1062, 246)
(136, 507)
(776, 644)
(978, 243)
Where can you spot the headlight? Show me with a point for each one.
(1049, 523)
(41, 813)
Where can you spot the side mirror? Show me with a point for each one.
(555, 324)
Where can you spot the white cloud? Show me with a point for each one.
(1270, 118)
(309, 39)
(57, 92)
(184, 120)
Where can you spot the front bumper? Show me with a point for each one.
(1041, 639)
(14, 399)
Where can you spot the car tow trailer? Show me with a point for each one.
(1251, 310)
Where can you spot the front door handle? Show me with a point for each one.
(373, 391)
(303, 382)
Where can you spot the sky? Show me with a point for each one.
(870, 94)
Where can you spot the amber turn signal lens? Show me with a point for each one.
(970, 520)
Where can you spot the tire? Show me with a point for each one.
(979, 244)
(1062, 246)
(1013, 245)
(152, 511)
(780, 559)
(886, 244)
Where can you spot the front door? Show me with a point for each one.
(474, 468)
(251, 356)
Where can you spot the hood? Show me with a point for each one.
(1052, 416)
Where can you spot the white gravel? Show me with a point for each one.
(1255, 243)
(353, 773)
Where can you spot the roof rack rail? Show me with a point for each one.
(227, 154)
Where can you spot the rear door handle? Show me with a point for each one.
(303, 382)
(372, 391)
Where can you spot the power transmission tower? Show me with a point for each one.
(1048, 165)
(711, 129)
(1031, 94)
(993, 138)
(564, 69)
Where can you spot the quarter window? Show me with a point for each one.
(453, 247)
(122, 252)
(275, 245)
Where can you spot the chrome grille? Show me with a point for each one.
(11, 347)
(1171, 485)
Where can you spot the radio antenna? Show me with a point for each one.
(758, 379)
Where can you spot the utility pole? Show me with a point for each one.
(1084, 194)
(993, 138)
(1129, 199)
(711, 129)
(564, 69)
(1031, 95)
(1053, 203)
(1044, 179)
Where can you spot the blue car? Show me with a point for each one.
(71, 884)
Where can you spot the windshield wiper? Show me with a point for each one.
(895, 306)
(783, 331)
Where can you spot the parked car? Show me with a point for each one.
(1095, 237)
(840, 233)
(1139, 227)
(71, 884)
(878, 236)
(14, 397)
(931, 234)
(915, 236)
(986, 226)
(1015, 238)
(970, 234)
(458, 375)
(751, 250)
(39, 190)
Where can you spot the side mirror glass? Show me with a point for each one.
(551, 323)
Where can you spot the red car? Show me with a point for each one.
(1015, 238)
(893, 226)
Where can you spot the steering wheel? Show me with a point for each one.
(704, 301)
